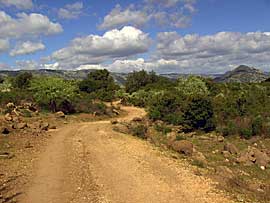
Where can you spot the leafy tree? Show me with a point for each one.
(193, 86)
(51, 92)
(99, 83)
(199, 115)
(137, 80)
(166, 106)
(22, 80)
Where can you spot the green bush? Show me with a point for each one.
(138, 80)
(230, 129)
(257, 125)
(162, 128)
(166, 106)
(22, 80)
(246, 133)
(139, 130)
(192, 86)
(50, 92)
(199, 115)
(100, 84)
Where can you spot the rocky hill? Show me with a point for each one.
(243, 74)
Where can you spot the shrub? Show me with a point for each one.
(257, 125)
(230, 129)
(192, 86)
(139, 130)
(246, 133)
(137, 80)
(100, 84)
(166, 106)
(22, 80)
(50, 92)
(163, 129)
(199, 115)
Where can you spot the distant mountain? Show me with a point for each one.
(119, 78)
(240, 74)
(243, 74)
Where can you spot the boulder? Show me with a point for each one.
(60, 114)
(231, 148)
(254, 156)
(44, 126)
(21, 125)
(226, 154)
(199, 156)
(224, 172)
(183, 146)
(262, 159)
(116, 112)
(8, 117)
(113, 122)
(10, 105)
(220, 138)
(137, 119)
(5, 131)
(121, 128)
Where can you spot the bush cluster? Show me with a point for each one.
(197, 103)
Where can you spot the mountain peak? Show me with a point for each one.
(243, 73)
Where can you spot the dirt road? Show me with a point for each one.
(89, 162)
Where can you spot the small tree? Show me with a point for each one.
(193, 86)
(137, 80)
(22, 80)
(51, 92)
(199, 115)
(99, 83)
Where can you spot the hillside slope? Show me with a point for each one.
(243, 74)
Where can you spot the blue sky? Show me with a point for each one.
(187, 36)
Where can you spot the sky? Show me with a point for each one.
(166, 36)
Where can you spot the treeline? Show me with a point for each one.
(198, 103)
(194, 103)
(57, 94)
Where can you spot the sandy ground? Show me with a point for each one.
(89, 162)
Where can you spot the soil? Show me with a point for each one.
(89, 162)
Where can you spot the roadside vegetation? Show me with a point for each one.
(221, 128)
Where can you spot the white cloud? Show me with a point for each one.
(172, 13)
(27, 47)
(52, 66)
(71, 11)
(94, 49)
(119, 17)
(27, 65)
(214, 53)
(20, 4)
(4, 45)
(27, 25)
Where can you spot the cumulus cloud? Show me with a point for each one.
(214, 53)
(4, 45)
(27, 65)
(71, 11)
(119, 17)
(27, 25)
(19, 4)
(173, 13)
(27, 47)
(94, 49)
